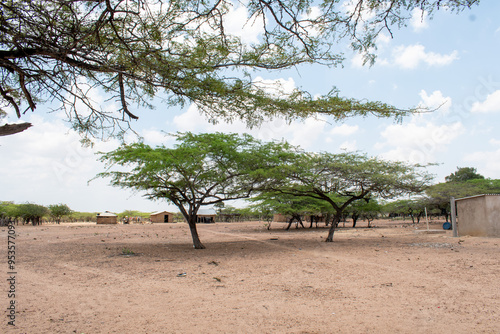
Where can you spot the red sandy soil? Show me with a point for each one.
(78, 278)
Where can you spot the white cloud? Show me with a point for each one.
(418, 142)
(313, 13)
(435, 100)
(491, 104)
(46, 164)
(350, 8)
(349, 146)
(410, 57)
(419, 20)
(357, 61)
(155, 137)
(383, 41)
(301, 133)
(276, 87)
(495, 142)
(489, 160)
(344, 130)
(236, 23)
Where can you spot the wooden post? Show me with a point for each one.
(453, 216)
(426, 218)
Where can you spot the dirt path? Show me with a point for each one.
(76, 279)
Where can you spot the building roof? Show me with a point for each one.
(206, 212)
(160, 212)
(475, 196)
(106, 214)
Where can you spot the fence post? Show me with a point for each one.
(453, 216)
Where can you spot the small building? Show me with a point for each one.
(479, 216)
(206, 216)
(107, 218)
(162, 217)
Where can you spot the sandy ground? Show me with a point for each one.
(388, 279)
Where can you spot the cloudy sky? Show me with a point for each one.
(450, 62)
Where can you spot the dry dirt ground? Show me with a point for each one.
(84, 278)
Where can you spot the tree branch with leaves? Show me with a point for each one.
(62, 51)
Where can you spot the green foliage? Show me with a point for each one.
(133, 50)
(9, 210)
(133, 213)
(464, 174)
(442, 192)
(32, 212)
(288, 204)
(341, 179)
(77, 216)
(200, 170)
(57, 211)
(127, 251)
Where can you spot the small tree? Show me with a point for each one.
(8, 212)
(200, 170)
(57, 211)
(366, 209)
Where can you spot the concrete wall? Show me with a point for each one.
(479, 216)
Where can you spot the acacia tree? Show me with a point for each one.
(464, 174)
(131, 50)
(57, 211)
(341, 179)
(32, 212)
(203, 169)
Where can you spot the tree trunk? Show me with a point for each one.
(354, 219)
(335, 222)
(194, 233)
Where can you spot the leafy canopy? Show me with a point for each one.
(200, 170)
(341, 179)
(63, 50)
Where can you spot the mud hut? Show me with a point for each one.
(107, 218)
(479, 216)
(162, 217)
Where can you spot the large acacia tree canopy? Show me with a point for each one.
(63, 49)
(201, 169)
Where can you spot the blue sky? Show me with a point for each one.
(449, 61)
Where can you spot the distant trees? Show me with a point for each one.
(8, 211)
(293, 207)
(58, 211)
(368, 210)
(32, 213)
